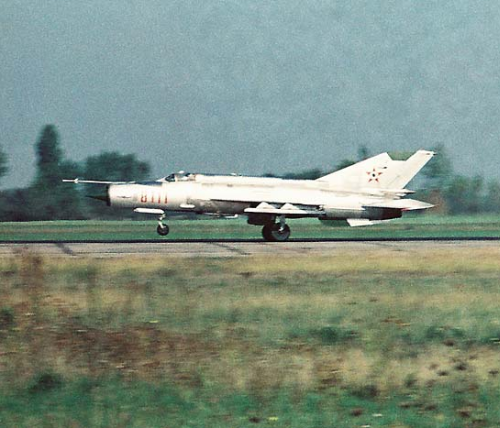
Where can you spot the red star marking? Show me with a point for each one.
(374, 175)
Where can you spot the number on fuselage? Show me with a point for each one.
(159, 197)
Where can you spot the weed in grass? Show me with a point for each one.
(334, 335)
(7, 319)
(46, 381)
(167, 272)
(90, 276)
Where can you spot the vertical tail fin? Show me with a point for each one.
(411, 167)
(379, 172)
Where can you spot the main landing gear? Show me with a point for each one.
(276, 232)
(162, 228)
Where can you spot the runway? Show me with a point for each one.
(226, 248)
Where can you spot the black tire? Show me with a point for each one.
(272, 232)
(266, 233)
(163, 230)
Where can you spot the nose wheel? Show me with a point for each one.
(162, 228)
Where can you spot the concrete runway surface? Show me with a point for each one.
(226, 248)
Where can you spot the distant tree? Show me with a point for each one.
(309, 174)
(455, 195)
(48, 198)
(439, 171)
(363, 152)
(344, 164)
(3, 163)
(440, 183)
(465, 195)
(111, 166)
(491, 201)
(15, 205)
(475, 195)
(48, 158)
(400, 155)
(315, 173)
(69, 199)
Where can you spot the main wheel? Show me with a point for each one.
(163, 230)
(274, 233)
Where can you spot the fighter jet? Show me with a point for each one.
(366, 193)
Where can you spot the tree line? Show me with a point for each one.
(48, 198)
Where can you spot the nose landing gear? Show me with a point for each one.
(162, 228)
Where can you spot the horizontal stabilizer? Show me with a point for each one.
(387, 192)
(401, 204)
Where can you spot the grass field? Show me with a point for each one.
(385, 339)
(423, 226)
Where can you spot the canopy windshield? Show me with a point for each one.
(180, 176)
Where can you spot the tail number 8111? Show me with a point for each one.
(153, 198)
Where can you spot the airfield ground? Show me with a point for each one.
(387, 338)
(418, 226)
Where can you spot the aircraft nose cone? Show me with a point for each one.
(102, 195)
(103, 198)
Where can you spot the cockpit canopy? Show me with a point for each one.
(179, 176)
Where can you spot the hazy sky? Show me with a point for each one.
(250, 86)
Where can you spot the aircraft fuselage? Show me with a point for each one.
(226, 195)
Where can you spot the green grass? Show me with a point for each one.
(384, 338)
(118, 403)
(423, 226)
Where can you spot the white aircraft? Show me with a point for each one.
(366, 193)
